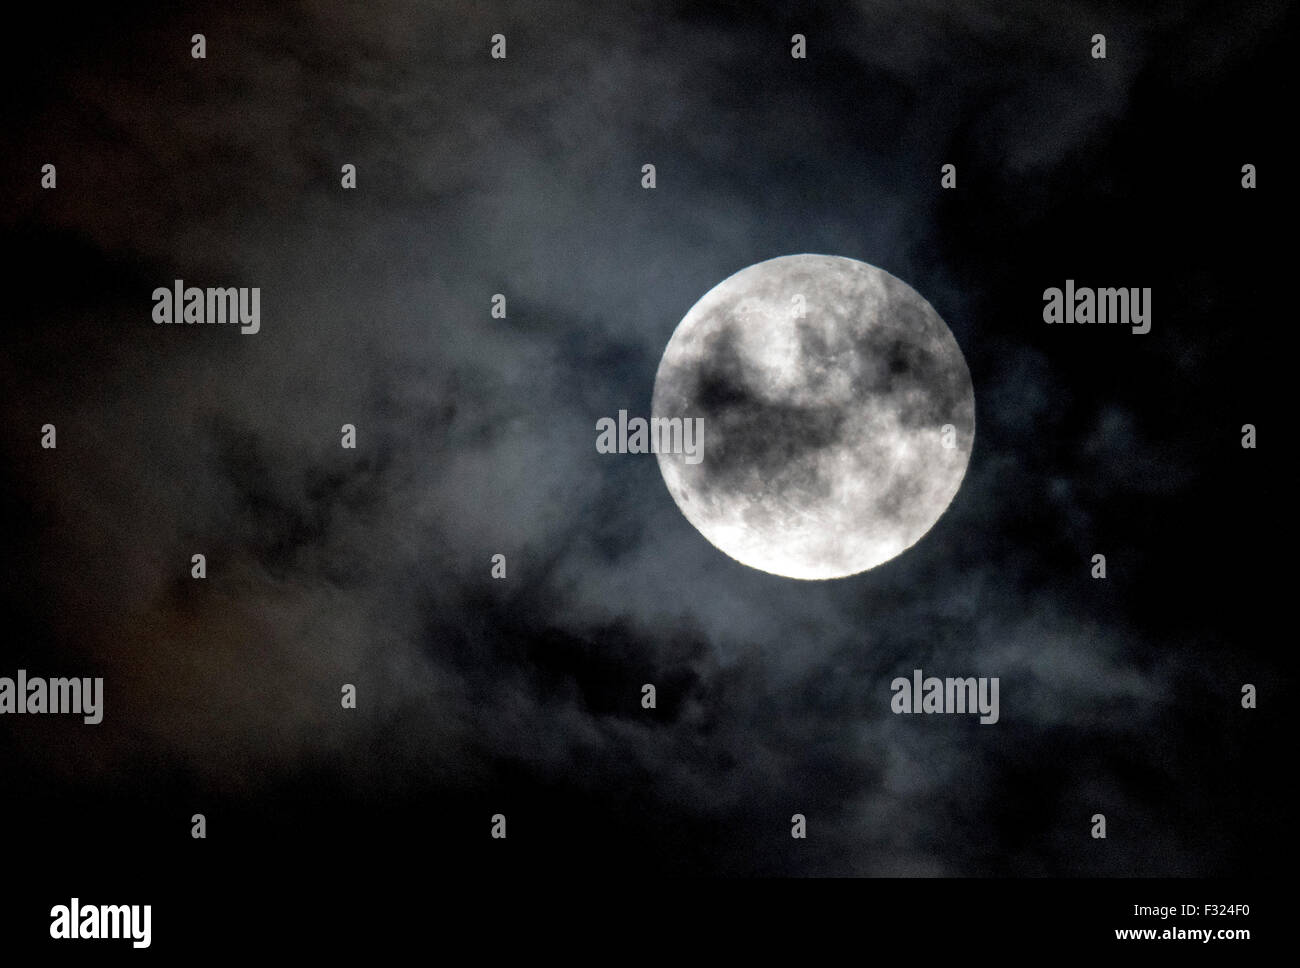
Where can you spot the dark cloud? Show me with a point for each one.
(475, 435)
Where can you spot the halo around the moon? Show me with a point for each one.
(838, 416)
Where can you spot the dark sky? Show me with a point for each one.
(476, 435)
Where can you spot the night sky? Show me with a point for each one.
(475, 436)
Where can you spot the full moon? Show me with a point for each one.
(837, 414)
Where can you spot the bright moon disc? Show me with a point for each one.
(838, 416)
